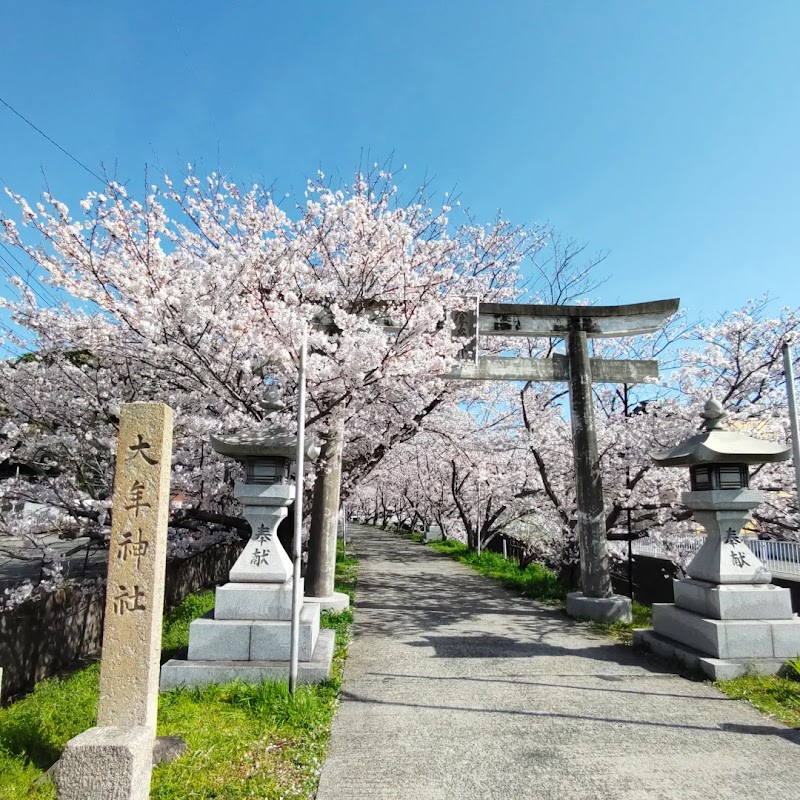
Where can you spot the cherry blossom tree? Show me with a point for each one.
(195, 295)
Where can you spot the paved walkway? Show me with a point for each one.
(456, 688)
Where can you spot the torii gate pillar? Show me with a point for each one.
(595, 574)
(576, 324)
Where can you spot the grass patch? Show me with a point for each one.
(623, 631)
(534, 581)
(778, 697)
(244, 741)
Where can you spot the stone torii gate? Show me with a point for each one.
(576, 324)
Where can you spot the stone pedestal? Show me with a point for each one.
(616, 608)
(725, 630)
(338, 601)
(247, 635)
(107, 763)
(727, 619)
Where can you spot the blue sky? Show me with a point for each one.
(666, 133)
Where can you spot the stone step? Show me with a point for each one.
(212, 639)
(728, 638)
(190, 674)
(717, 669)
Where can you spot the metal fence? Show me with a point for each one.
(652, 547)
(778, 556)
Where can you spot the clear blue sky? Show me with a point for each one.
(664, 132)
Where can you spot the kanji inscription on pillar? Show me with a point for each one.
(129, 667)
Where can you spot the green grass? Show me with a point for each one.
(244, 741)
(623, 631)
(776, 696)
(535, 581)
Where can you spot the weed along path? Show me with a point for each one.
(456, 688)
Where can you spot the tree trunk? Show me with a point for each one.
(324, 513)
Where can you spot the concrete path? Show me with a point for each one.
(456, 688)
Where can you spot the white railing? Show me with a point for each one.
(778, 556)
(650, 547)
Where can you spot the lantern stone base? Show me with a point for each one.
(728, 638)
(190, 674)
(254, 601)
(213, 639)
(733, 601)
(338, 601)
(717, 669)
(247, 637)
(725, 630)
(616, 608)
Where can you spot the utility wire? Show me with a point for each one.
(14, 337)
(52, 141)
(41, 292)
(29, 272)
(45, 296)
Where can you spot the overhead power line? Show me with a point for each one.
(51, 140)
(41, 292)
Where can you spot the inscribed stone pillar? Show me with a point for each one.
(595, 575)
(129, 670)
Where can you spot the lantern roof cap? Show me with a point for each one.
(263, 440)
(715, 445)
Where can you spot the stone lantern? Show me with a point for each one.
(727, 617)
(247, 636)
(267, 456)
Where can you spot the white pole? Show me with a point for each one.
(478, 516)
(297, 544)
(344, 530)
(789, 370)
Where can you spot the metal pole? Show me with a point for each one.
(344, 530)
(789, 370)
(297, 544)
(630, 553)
(630, 568)
(478, 517)
(477, 326)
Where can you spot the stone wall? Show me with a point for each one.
(46, 636)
